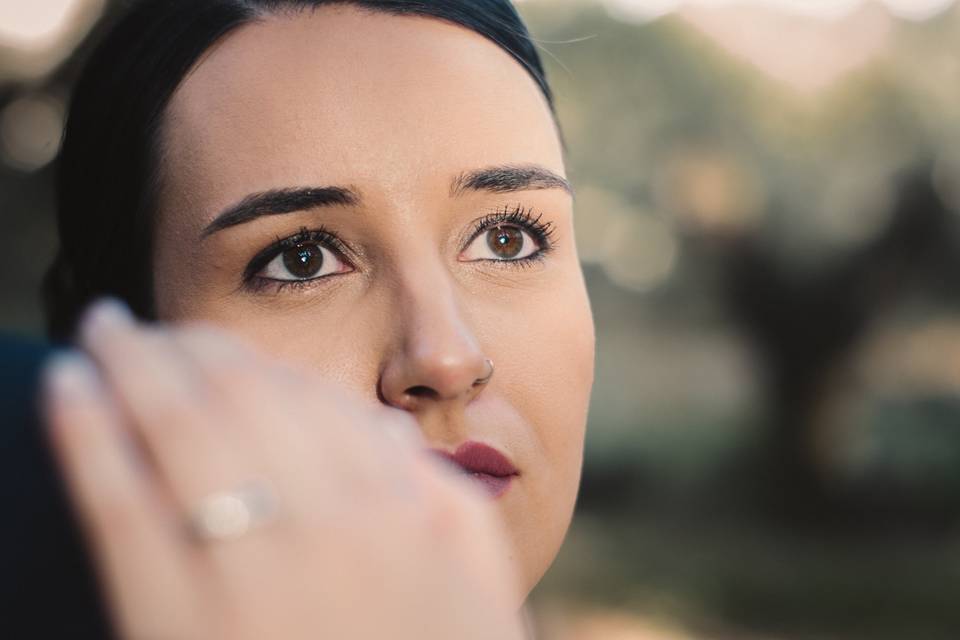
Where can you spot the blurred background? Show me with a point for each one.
(768, 213)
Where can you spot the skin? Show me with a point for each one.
(395, 109)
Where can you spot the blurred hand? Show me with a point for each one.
(369, 538)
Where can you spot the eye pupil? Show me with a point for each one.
(303, 261)
(505, 242)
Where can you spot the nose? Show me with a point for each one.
(437, 358)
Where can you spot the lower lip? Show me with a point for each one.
(494, 486)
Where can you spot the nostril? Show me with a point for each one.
(421, 391)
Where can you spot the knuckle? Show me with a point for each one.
(169, 408)
(231, 381)
(173, 418)
(407, 436)
(115, 514)
(446, 506)
(446, 520)
(210, 346)
(203, 334)
(403, 420)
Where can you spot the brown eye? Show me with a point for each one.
(502, 243)
(505, 242)
(303, 261)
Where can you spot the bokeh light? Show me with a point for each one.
(30, 131)
(640, 251)
(28, 25)
(824, 9)
(37, 35)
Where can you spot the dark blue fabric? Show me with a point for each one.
(47, 586)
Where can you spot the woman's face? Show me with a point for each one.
(382, 199)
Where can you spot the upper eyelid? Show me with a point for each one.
(269, 253)
(494, 225)
(529, 221)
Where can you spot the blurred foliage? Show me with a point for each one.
(814, 242)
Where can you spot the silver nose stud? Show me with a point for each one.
(485, 379)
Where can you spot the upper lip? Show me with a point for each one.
(476, 457)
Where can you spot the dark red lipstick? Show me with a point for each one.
(484, 464)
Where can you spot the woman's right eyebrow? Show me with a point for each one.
(279, 201)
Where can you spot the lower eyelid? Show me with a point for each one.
(259, 284)
(519, 263)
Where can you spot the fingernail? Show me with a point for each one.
(70, 378)
(106, 314)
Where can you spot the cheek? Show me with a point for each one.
(557, 395)
(557, 352)
(549, 364)
(553, 395)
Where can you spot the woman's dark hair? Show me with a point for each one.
(109, 164)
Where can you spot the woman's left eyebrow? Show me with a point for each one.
(507, 178)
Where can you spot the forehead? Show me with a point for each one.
(341, 95)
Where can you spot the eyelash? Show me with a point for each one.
(542, 232)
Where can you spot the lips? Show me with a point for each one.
(492, 470)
